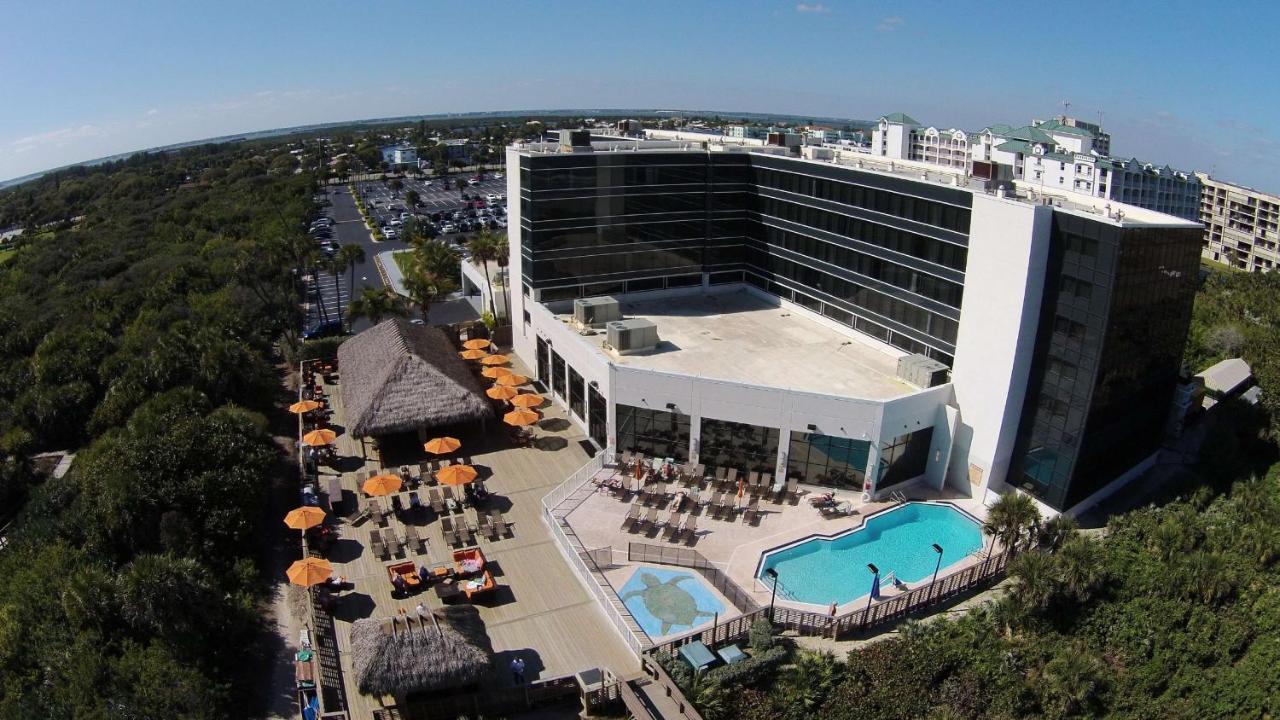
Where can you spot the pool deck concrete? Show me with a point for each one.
(735, 547)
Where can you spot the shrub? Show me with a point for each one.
(751, 670)
(677, 668)
(761, 635)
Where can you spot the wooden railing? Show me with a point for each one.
(492, 702)
(718, 634)
(684, 708)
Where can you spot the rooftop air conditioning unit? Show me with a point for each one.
(627, 337)
(595, 311)
(921, 371)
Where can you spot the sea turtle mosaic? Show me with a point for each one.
(671, 604)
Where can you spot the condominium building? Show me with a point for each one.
(851, 327)
(1063, 154)
(1241, 225)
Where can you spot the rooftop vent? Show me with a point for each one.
(595, 311)
(921, 371)
(628, 337)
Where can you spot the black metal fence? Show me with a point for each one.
(690, 558)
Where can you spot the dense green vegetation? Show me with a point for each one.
(143, 335)
(1174, 613)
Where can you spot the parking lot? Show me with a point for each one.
(436, 205)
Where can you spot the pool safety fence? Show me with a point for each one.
(690, 558)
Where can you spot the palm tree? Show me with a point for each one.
(1072, 681)
(484, 247)
(1037, 582)
(1011, 518)
(1057, 532)
(375, 304)
(1079, 568)
(427, 288)
(349, 256)
(503, 250)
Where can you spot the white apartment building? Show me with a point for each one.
(1059, 155)
(1241, 225)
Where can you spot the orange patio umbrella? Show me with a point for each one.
(473, 354)
(319, 437)
(528, 400)
(442, 445)
(501, 392)
(456, 475)
(309, 571)
(304, 517)
(304, 406)
(520, 416)
(496, 360)
(513, 380)
(383, 485)
(477, 344)
(494, 372)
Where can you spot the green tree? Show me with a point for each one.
(376, 304)
(1011, 519)
(484, 248)
(412, 198)
(348, 257)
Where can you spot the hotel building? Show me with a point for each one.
(856, 328)
(1241, 226)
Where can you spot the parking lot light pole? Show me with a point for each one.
(773, 575)
(875, 582)
(938, 549)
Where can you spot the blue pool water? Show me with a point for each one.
(822, 571)
(666, 602)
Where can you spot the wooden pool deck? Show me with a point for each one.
(540, 612)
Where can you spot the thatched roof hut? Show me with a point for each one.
(447, 648)
(400, 377)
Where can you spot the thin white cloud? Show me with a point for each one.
(812, 8)
(57, 137)
(153, 111)
(889, 24)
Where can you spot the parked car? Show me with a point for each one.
(500, 222)
(473, 181)
(449, 228)
(321, 329)
(390, 234)
(491, 197)
(497, 176)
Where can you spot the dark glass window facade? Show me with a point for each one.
(656, 433)
(557, 374)
(577, 394)
(597, 417)
(737, 445)
(883, 255)
(544, 362)
(904, 457)
(1116, 310)
(823, 460)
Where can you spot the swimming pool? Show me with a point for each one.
(665, 602)
(899, 541)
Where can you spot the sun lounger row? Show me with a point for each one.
(677, 524)
(490, 525)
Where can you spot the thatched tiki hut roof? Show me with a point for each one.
(401, 377)
(447, 648)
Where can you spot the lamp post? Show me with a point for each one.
(938, 549)
(875, 584)
(773, 575)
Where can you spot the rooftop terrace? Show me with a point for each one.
(740, 337)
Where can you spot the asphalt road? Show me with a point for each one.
(348, 229)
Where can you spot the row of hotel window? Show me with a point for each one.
(600, 175)
(613, 226)
(811, 457)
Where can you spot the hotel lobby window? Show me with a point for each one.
(544, 362)
(825, 460)
(738, 445)
(905, 457)
(656, 433)
(557, 374)
(576, 398)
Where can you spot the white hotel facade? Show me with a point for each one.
(865, 329)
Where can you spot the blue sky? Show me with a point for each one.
(1191, 84)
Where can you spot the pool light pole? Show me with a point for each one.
(938, 549)
(773, 575)
(875, 588)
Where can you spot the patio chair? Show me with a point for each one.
(424, 472)
(650, 519)
(500, 524)
(793, 490)
(437, 504)
(412, 541)
(689, 529)
(752, 513)
(464, 532)
(450, 495)
(660, 492)
(753, 480)
(485, 527)
(397, 507)
(721, 474)
(716, 503)
(446, 527)
(699, 471)
(732, 478)
(633, 514)
(375, 544)
(672, 527)
(391, 541)
(376, 514)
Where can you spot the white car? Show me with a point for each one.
(390, 234)
(393, 222)
(427, 183)
(473, 181)
(497, 176)
(448, 228)
(491, 198)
